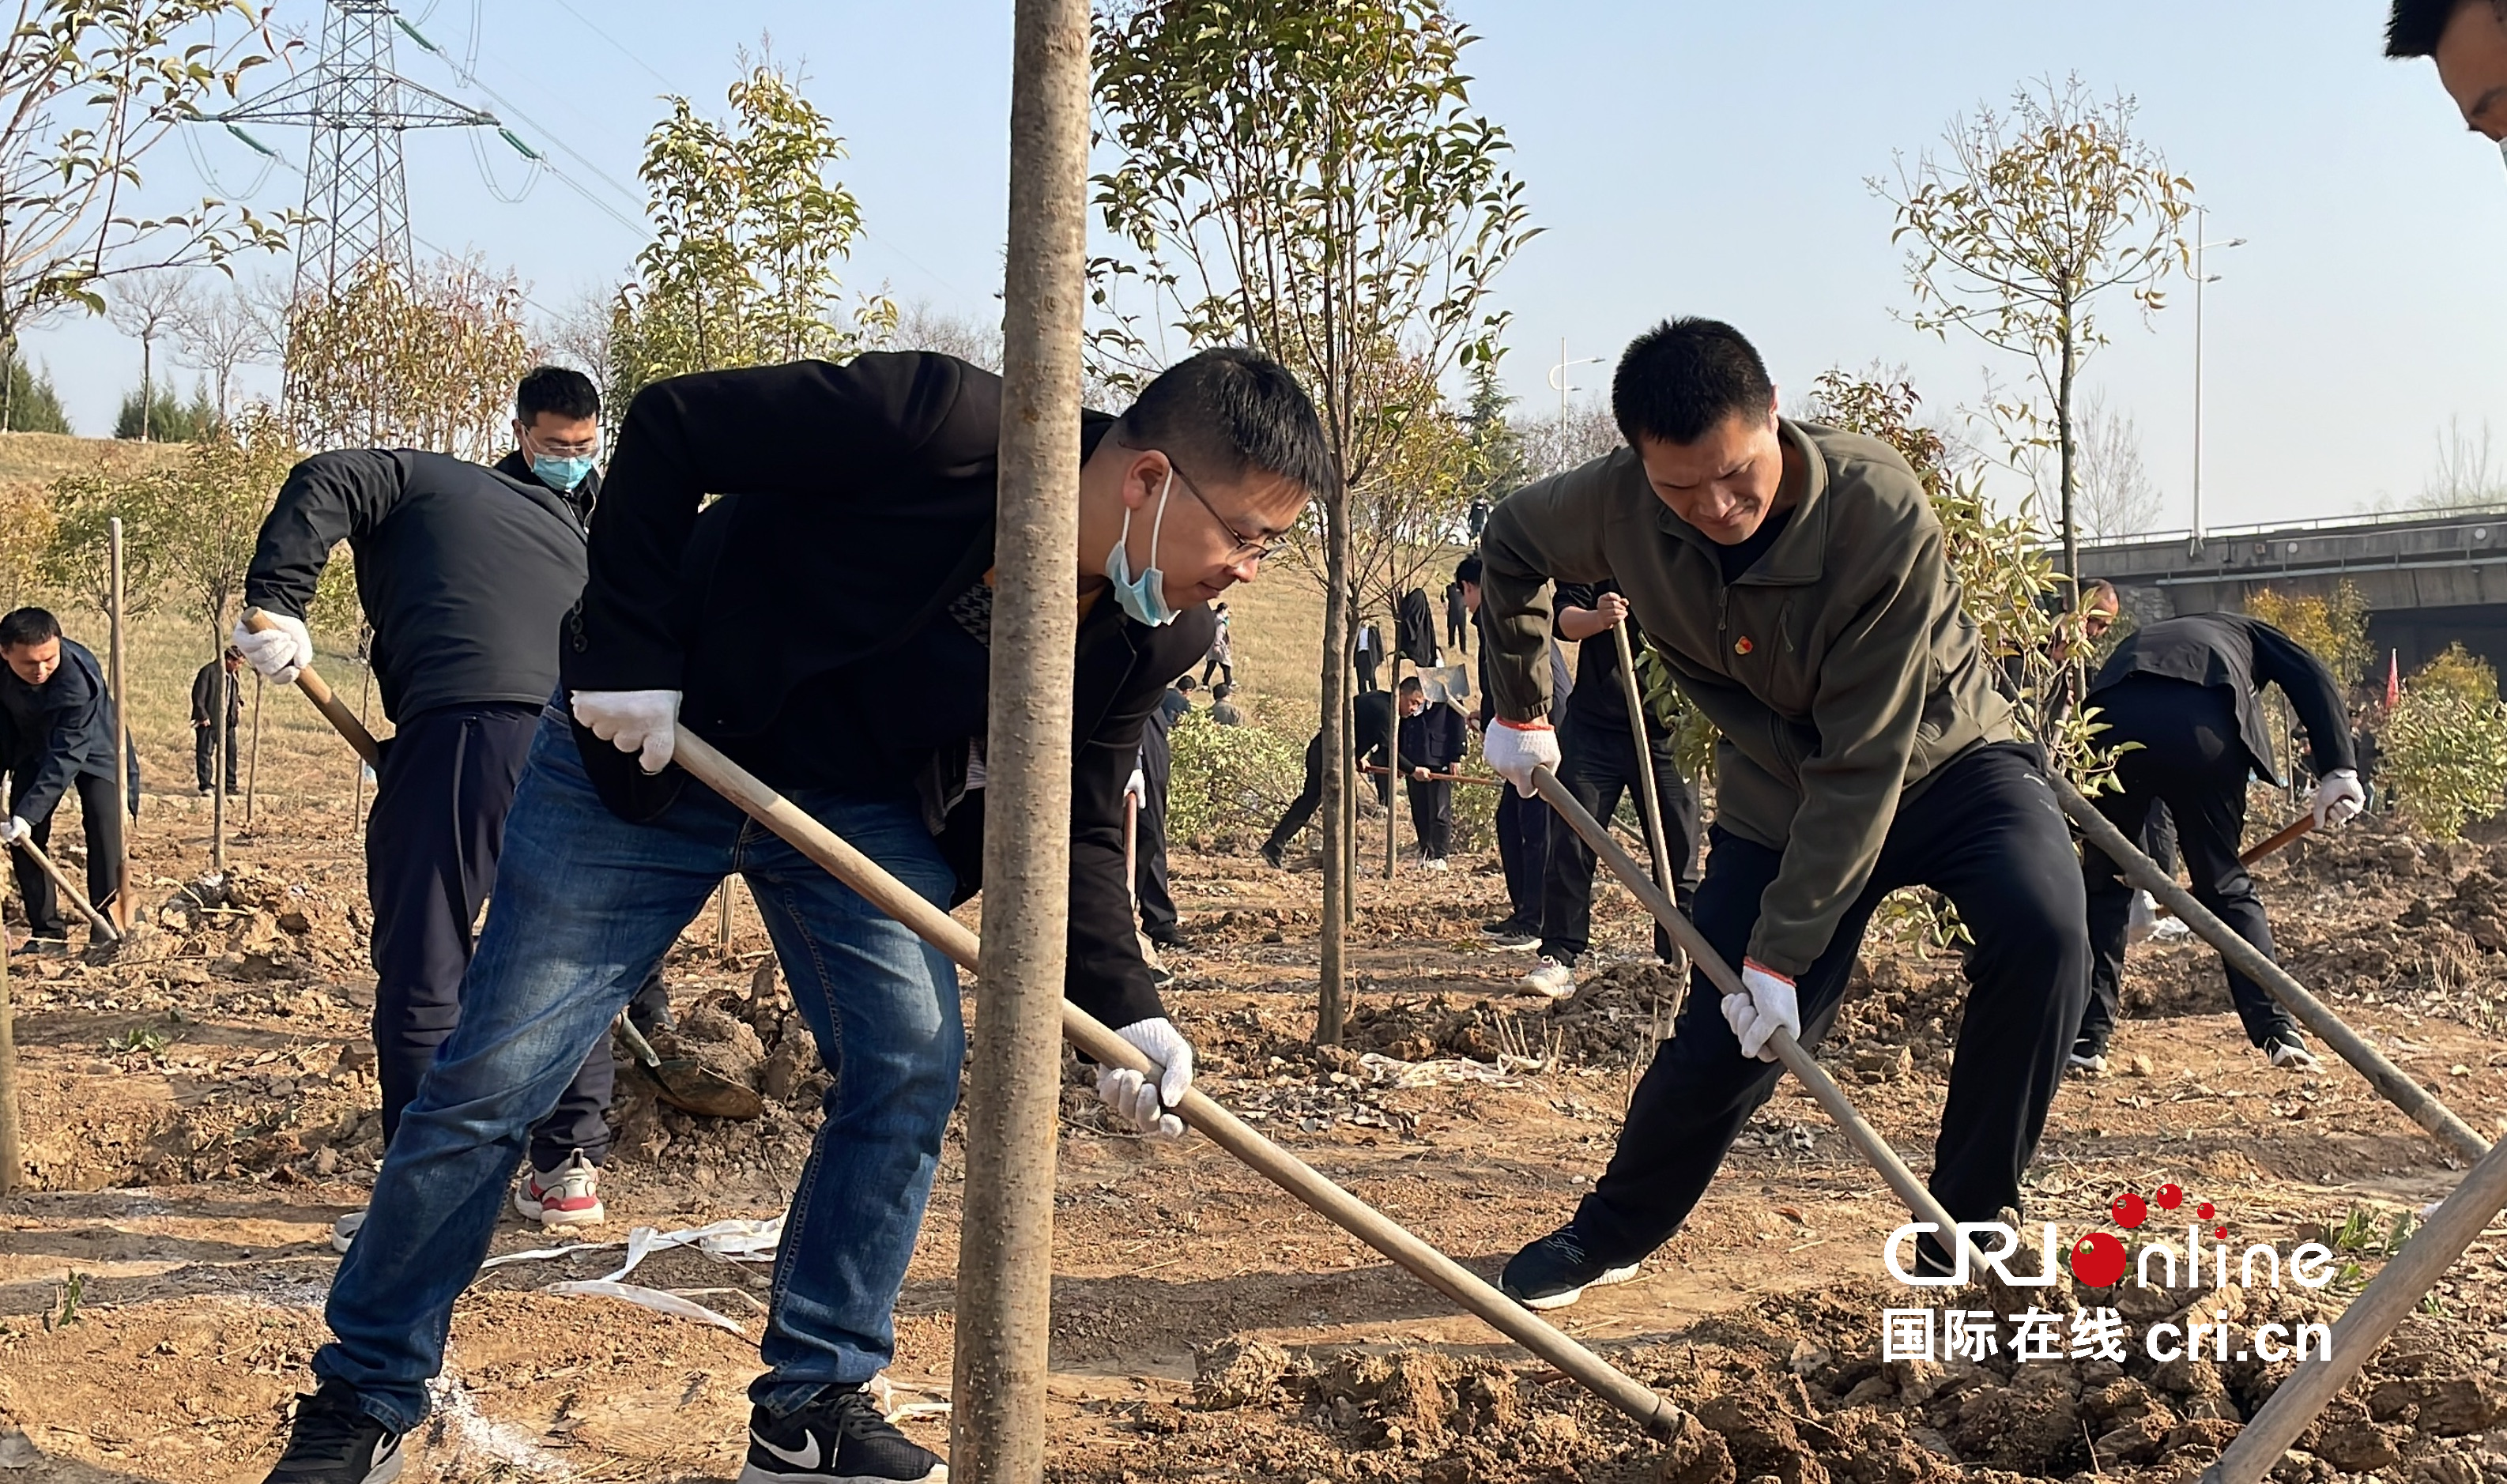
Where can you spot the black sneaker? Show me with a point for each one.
(2088, 1054)
(1555, 1271)
(1172, 938)
(42, 948)
(839, 1438)
(2288, 1051)
(333, 1442)
(1510, 936)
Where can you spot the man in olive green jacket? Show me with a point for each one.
(1794, 578)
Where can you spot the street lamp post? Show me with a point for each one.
(1559, 378)
(2194, 545)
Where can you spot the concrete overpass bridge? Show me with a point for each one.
(2429, 578)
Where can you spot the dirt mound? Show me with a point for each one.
(755, 1037)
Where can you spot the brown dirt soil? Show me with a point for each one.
(200, 1108)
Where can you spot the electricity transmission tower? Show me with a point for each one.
(356, 189)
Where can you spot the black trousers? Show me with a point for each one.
(101, 814)
(1523, 851)
(1431, 814)
(1598, 764)
(2191, 767)
(1226, 670)
(204, 747)
(1458, 633)
(1302, 809)
(1987, 834)
(1366, 663)
(1149, 860)
(432, 842)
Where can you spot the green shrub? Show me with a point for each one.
(34, 407)
(1229, 778)
(2446, 746)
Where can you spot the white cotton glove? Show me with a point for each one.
(1136, 788)
(278, 653)
(2337, 798)
(645, 722)
(13, 830)
(1514, 749)
(1134, 1099)
(1756, 1016)
(2143, 921)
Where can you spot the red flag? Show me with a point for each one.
(2393, 678)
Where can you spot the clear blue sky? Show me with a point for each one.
(1684, 158)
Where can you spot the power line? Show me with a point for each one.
(619, 46)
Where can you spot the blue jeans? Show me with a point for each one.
(586, 905)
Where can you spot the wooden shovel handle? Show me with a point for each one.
(324, 699)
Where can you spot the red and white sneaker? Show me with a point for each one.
(568, 1195)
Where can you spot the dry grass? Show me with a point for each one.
(42, 457)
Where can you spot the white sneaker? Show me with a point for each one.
(1550, 979)
(568, 1195)
(344, 1232)
(1433, 863)
(2289, 1052)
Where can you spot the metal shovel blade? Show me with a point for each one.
(683, 1084)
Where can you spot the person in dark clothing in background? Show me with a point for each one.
(1522, 824)
(1223, 711)
(60, 728)
(829, 625)
(2185, 691)
(1367, 652)
(466, 574)
(219, 674)
(1458, 620)
(1370, 731)
(1153, 767)
(1598, 763)
(1432, 743)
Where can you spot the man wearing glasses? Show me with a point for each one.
(465, 573)
(828, 623)
(2468, 41)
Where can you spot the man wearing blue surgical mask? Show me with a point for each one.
(465, 574)
(557, 434)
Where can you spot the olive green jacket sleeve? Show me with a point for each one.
(1555, 530)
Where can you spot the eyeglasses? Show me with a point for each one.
(1246, 546)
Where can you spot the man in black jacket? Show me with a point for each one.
(2185, 691)
(465, 574)
(1598, 763)
(826, 623)
(216, 678)
(1370, 731)
(1432, 743)
(59, 726)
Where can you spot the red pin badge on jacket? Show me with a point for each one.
(1742, 645)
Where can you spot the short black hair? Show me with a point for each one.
(1469, 569)
(1679, 380)
(1222, 691)
(1411, 683)
(1229, 412)
(28, 625)
(2098, 590)
(569, 394)
(2415, 27)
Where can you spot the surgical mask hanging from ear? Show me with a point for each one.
(1143, 598)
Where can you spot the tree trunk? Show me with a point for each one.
(218, 752)
(121, 908)
(11, 1171)
(364, 685)
(2063, 427)
(147, 382)
(1339, 771)
(252, 759)
(1006, 1255)
(1393, 786)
